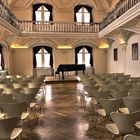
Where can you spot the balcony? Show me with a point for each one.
(67, 27)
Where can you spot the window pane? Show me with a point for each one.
(86, 17)
(39, 8)
(46, 60)
(40, 51)
(81, 51)
(46, 16)
(38, 60)
(79, 17)
(45, 8)
(80, 61)
(85, 50)
(38, 15)
(45, 51)
(80, 11)
(87, 58)
(85, 10)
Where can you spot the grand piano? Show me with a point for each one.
(70, 67)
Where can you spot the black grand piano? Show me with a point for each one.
(69, 67)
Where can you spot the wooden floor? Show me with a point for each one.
(63, 118)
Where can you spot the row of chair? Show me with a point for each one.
(17, 102)
(115, 97)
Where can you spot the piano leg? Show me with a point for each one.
(62, 74)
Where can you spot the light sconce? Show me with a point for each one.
(19, 46)
(104, 46)
(64, 47)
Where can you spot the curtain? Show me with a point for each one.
(35, 51)
(89, 9)
(77, 49)
(49, 50)
(2, 59)
(36, 6)
(76, 9)
(89, 49)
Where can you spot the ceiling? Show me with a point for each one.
(102, 5)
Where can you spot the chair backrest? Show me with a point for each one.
(6, 98)
(110, 105)
(131, 137)
(14, 109)
(28, 98)
(125, 122)
(135, 93)
(102, 94)
(7, 126)
(119, 94)
(30, 90)
(133, 104)
(20, 85)
(12, 90)
(34, 85)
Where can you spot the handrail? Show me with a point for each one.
(120, 8)
(36, 26)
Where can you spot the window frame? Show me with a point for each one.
(83, 12)
(84, 51)
(43, 52)
(135, 51)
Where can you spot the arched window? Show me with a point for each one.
(83, 14)
(42, 13)
(83, 55)
(42, 56)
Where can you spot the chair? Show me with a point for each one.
(131, 137)
(108, 106)
(6, 98)
(29, 99)
(8, 129)
(12, 90)
(132, 105)
(16, 110)
(119, 94)
(30, 90)
(123, 123)
(135, 93)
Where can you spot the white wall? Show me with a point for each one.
(125, 63)
(115, 66)
(133, 66)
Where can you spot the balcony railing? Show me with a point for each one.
(30, 26)
(7, 15)
(120, 8)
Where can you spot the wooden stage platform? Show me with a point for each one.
(52, 79)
